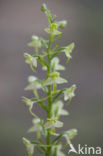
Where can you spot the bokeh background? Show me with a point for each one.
(19, 19)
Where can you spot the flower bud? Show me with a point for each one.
(62, 24)
(43, 8)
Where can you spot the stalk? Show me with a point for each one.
(48, 152)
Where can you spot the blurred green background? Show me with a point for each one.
(19, 19)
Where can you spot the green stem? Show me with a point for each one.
(48, 152)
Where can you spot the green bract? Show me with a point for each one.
(50, 101)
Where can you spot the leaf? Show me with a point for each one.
(70, 134)
(57, 52)
(44, 43)
(55, 98)
(42, 61)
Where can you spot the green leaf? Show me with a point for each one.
(57, 96)
(44, 43)
(42, 61)
(29, 146)
(57, 52)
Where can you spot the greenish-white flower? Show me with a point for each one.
(31, 60)
(70, 134)
(53, 29)
(34, 83)
(55, 65)
(69, 93)
(57, 109)
(68, 50)
(29, 146)
(62, 24)
(28, 102)
(35, 42)
(59, 152)
(58, 149)
(54, 78)
(52, 123)
(36, 126)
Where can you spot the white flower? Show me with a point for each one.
(30, 59)
(62, 24)
(57, 109)
(34, 83)
(29, 146)
(35, 42)
(55, 65)
(53, 29)
(69, 93)
(68, 50)
(28, 102)
(36, 126)
(70, 134)
(59, 152)
(54, 79)
(58, 149)
(53, 122)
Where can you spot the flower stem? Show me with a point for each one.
(48, 152)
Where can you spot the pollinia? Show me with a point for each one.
(48, 139)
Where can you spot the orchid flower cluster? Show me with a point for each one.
(47, 140)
